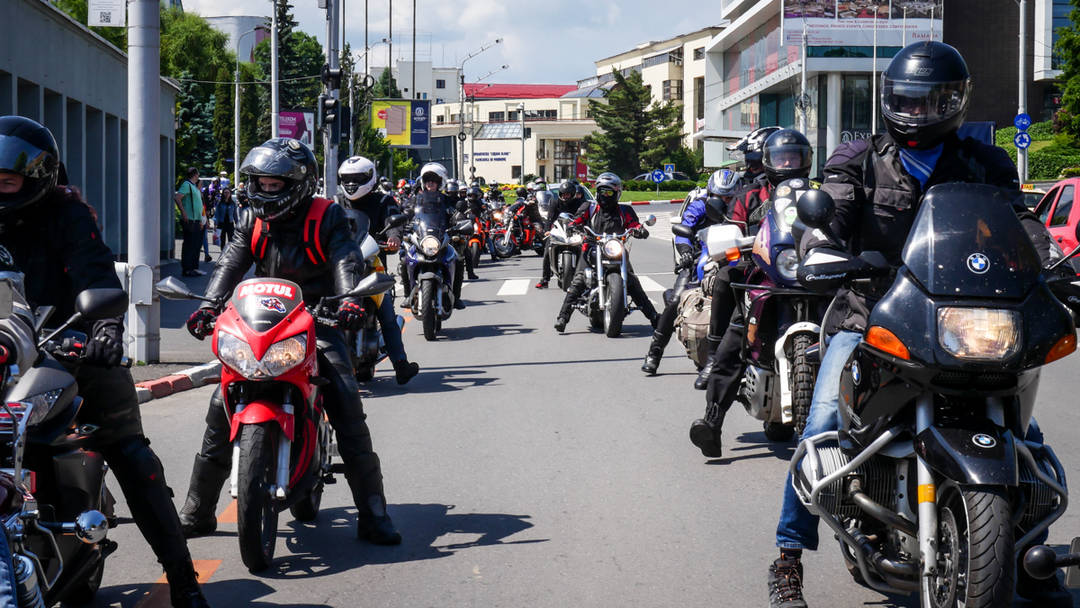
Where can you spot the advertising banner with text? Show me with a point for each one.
(405, 123)
(298, 124)
(853, 23)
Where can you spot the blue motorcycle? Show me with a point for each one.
(431, 263)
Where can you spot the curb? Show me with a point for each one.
(193, 377)
(659, 202)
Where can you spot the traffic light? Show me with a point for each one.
(332, 117)
(345, 123)
(331, 78)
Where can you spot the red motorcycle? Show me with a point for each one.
(516, 234)
(270, 382)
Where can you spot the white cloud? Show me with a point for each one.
(554, 41)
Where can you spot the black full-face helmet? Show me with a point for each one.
(925, 94)
(285, 159)
(608, 189)
(474, 193)
(567, 190)
(28, 149)
(787, 154)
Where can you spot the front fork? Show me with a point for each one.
(927, 495)
(281, 474)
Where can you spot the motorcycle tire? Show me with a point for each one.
(566, 271)
(503, 248)
(256, 514)
(364, 373)
(616, 306)
(978, 517)
(474, 255)
(428, 311)
(778, 431)
(307, 509)
(802, 382)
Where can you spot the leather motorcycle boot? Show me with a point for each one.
(702, 381)
(376, 526)
(404, 370)
(705, 432)
(184, 589)
(656, 352)
(197, 517)
(1041, 592)
(785, 582)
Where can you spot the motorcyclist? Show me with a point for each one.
(752, 147)
(281, 186)
(720, 186)
(607, 216)
(566, 202)
(878, 184)
(495, 192)
(529, 207)
(787, 155)
(52, 235)
(356, 179)
(474, 200)
(431, 199)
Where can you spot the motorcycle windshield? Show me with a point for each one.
(430, 221)
(967, 242)
(263, 303)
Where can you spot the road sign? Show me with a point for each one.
(461, 136)
(669, 169)
(1022, 140)
(1022, 122)
(658, 176)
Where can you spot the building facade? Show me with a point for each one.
(79, 91)
(673, 69)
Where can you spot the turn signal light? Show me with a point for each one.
(733, 254)
(886, 341)
(1066, 345)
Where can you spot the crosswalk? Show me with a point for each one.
(521, 286)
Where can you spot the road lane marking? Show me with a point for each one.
(514, 287)
(228, 515)
(650, 285)
(158, 596)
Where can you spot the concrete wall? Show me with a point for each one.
(78, 89)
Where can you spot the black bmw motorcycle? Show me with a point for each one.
(930, 485)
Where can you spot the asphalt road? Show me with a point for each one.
(526, 468)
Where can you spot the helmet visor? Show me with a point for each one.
(356, 179)
(20, 156)
(268, 161)
(922, 103)
(788, 157)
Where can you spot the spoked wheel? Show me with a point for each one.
(975, 550)
(428, 310)
(257, 516)
(616, 306)
(802, 381)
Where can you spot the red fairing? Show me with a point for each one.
(258, 412)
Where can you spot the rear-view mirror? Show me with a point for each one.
(651, 220)
(101, 303)
(173, 288)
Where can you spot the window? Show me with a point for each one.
(1064, 206)
(1047, 202)
(672, 90)
(699, 97)
(423, 95)
(440, 84)
(496, 116)
(699, 53)
(515, 172)
(440, 119)
(438, 100)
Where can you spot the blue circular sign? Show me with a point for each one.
(658, 176)
(1022, 122)
(1022, 140)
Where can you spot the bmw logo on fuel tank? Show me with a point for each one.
(984, 441)
(978, 263)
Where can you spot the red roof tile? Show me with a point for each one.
(517, 91)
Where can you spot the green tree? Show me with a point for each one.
(623, 123)
(664, 139)
(1068, 48)
(78, 11)
(386, 87)
(224, 117)
(300, 61)
(195, 135)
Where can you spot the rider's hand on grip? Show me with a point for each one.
(350, 314)
(393, 243)
(641, 233)
(201, 323)
(104, 351)
(686, 260)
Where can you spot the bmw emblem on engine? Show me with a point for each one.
(978, 263)
(984, 441)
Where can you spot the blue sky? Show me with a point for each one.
(554, 41)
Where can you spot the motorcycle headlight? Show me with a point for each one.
(787, 262)
(236, 353)
(979, 333)
(279, 358)
(613, 249)
(576, 239)
(284, 355)
(430, 246)
(498, 215)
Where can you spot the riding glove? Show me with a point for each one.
(201, 322)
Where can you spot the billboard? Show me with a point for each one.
(298, 124)
(852, 22)
(404, 123)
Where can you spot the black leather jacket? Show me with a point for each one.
(377, 207)
(286, 258)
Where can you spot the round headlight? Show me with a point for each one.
(498, 216)
(577, 239)
(787, 262)
(979, 333)
(430, 246)
(284, 355)
(613, 249)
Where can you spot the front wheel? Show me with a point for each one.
(566, 270)
(503, 245)
(474, 254)
(256, 513)
(802, 381)
(428, 310)
(616, 306)
(976, 566)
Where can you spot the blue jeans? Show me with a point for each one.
(395, 349)
(7, 574)
(798, 528)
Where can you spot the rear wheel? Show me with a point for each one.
(802, 381)
(84, 592)
(616, 306)
(257, 515)
(364, 372)
(427, 309)
(778, 431)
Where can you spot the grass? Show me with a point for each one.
(648, 195)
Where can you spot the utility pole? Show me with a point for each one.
(144, 179)
(415, 95)
(274, 108)
(332, 81)
(366, 70)
(390, 47)
(521, 109)
(1022, 155)
(873, 81)
(803, 104)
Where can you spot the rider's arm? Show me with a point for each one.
(342, 252)
(693, 216)
(390, 207)
(18, 328)
(843, 180)
(234, 263)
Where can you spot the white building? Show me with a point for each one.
(440, 85)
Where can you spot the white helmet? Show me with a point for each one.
(438, 170)
(356, 177)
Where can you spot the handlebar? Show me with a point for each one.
(73, 349)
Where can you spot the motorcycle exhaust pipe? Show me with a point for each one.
(879, 512)
(895, 574)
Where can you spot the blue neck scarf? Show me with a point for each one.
(920, 163)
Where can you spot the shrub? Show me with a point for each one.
(1049, 162)
(1070, 172)
(668, 186)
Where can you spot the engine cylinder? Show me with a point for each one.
(878, 482)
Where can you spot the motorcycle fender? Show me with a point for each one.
(257, 412)
(981, 454)
(430, 275)
(783, 366)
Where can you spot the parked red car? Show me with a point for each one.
(1061, 216)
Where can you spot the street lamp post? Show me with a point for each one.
(472, 124)
(236, 112)
(274, 108)
(521, 111)
(367, 80)
(461, 109)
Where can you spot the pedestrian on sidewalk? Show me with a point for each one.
(189, 200)
(225, 217)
